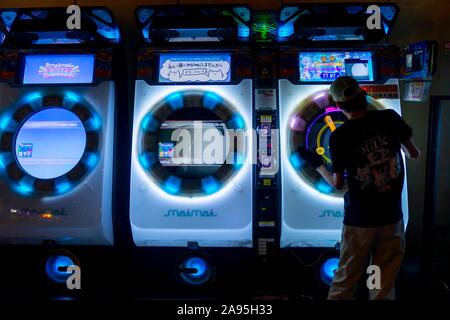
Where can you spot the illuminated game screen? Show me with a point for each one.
(58, 69)
(319, 132)
(192, 158)
(194, 68)
(50, 143)
(327, 66)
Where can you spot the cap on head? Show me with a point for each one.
(344, 88)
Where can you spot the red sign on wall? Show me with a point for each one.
(381, 91)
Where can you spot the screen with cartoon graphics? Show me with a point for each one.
(194, 67)
(58, 69)
(327, 66)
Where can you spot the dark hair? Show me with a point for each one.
(356, 103)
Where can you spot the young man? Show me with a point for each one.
(367, 147)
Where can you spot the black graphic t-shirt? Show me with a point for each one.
(368, 149)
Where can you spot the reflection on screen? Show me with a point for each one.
(184, 146)
(51, 69)
(50, 143)
(327, 66)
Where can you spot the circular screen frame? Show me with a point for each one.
(298, 123)
(147, 150)
(24, 182)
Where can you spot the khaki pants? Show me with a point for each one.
(384, 245)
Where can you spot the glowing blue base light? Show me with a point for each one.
(195, 271)
(328, 269)
(210, 185)
(210, 100)
(56, 268)
(172, 185)
(175, 100)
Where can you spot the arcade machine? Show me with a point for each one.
(191, 207)
(58, 103)
(318, 43)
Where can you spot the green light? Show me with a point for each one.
(264, 26)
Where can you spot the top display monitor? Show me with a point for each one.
(194, 68)
(327, 66)
(58, 69)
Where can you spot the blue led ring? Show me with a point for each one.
(25, 183)
(148, 153)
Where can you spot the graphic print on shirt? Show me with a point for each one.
(378, 163)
